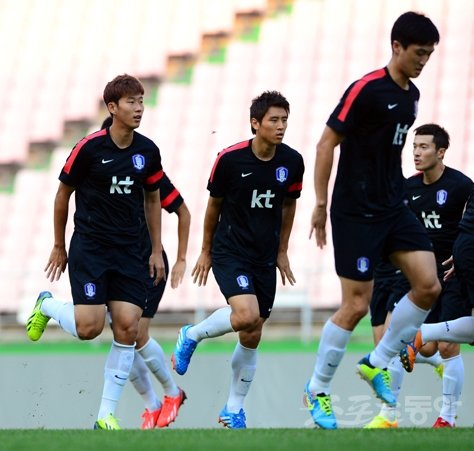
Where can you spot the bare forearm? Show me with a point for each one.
(184, 224)
(288, 216)
(153, 219)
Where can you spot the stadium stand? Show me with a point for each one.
(202, 62)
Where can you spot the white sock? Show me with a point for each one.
(117, 369)
(215, 325)
(405, 321)
(330, 352)
(434, 360)
(62, 312)
(140, 378)
(244, 366)
(460, 330)
(154, 358)
(453, 381)
(397, 374)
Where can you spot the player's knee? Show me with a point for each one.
(448, 350)
(88, 331)
(244, 320)
(426, 295)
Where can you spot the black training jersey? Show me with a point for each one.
(374, 116)
(109, 184)
(439, 206)
(253, 192)
(467, 221)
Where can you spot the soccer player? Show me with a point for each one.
(437, 195)
(149, 355)
(253, 190)
(460, 330)
(368, 217)
(111, 171)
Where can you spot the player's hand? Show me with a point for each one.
(318, 226)
(156, 267)
(201, 269)
(177, 273)
(57, 263)
(449, 272)
(283, 265)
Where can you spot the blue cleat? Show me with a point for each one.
(379, 379)
(232, 420)
(183, 351)
(320, 408)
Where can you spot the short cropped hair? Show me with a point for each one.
(261, 104)
(120, 86)
(414, 28)
(440, 135)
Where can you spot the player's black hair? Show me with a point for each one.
(261, 104)
(440, 135)
(414, 28)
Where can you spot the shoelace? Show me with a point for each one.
(325, 403)
(386, 379)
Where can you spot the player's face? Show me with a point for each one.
(425, 155)
(412, 60)
(273, 126)
(129, 111)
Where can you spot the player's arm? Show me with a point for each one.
(152, 205)
(211, 218)
(58, 258)
(184, 223)
(322, 171)
(283, 263)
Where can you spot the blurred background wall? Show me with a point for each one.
(201, 61)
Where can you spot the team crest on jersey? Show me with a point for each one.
(89, 289)
(441, 197)
(281, 174)
(362, 264)
(138, 161)
(243, 282)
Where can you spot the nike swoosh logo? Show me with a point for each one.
(106, 161)
(415, 197)
(246, 174)
(120, 377)
(391, 106)
(243, 380)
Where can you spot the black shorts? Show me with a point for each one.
(155, 293)
(236, 277)
(386, 293)
(358, 246)
(451, 304)
(99, 273)
(463, 254)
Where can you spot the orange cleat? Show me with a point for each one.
(150, 417)
(170, 409)
(409, 352)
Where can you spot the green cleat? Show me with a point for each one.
(37, 321)
(378, 379)
(108, 423)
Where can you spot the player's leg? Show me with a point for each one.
(234, 279)
(243, 365)
(332, 345)
(453, 381)
(413, 308)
